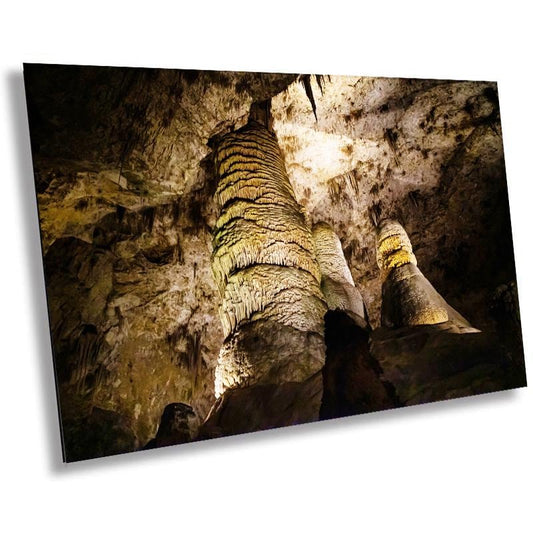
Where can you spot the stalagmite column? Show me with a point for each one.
(337, 283)
(352, 378)
(265, 266)
(408, 298)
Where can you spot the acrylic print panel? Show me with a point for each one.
(229, 252)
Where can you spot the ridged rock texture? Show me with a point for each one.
(265, 266)
(407, 297)
(336, 279)
(126, 183)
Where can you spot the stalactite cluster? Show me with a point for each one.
(265, 267)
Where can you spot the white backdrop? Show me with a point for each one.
(462, 465)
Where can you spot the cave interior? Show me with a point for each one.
(227, 252)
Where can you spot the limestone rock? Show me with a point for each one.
(408, 298)
(265, 266)
(125, 189)
(97, 434)
(267, 352)
(126, 182)
(259, 407)
(336, 279)
(443, 361)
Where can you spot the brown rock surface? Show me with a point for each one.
(443, 361)
(260, 407)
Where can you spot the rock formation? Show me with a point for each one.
(125, 182)
(408, 298)
(336, 279)
(260, 407)
(264, 264)
(352, 377)
(442, 361)
(427, 350)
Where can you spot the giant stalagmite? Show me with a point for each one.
(264, 264)
(408, 298)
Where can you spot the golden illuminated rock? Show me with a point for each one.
(393, 247)
(337, 283)
(267, 352)
(260, 221)
(265, 267)
(408, 298)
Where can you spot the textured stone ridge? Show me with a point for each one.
(260, 221)
(265, 267)
(393, 247)
(336, 282)
(408, 298)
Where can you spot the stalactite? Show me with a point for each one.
(352, 181)
(195, 359)
(374, 212)
(320, 82)
(335, 191)
(306, 81)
